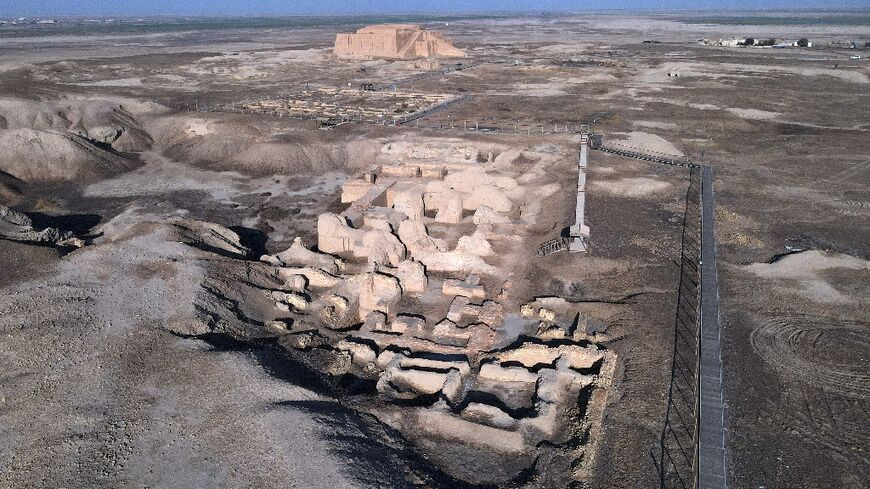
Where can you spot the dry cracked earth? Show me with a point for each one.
(160, 325)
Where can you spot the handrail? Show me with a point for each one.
(681, 426)
(696, 441)
(647, 156)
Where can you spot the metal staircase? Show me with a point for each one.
(553, 246)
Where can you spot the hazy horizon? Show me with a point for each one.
(126, 8)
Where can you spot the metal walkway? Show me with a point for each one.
(554, 245)
(711, 439)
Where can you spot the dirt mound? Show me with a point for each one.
(11, 188)
(17, 226)
(104, 121)
(38, 156)
(807, 270)
(65, 140)
(221, 142)
(201, 278)
(85, 338)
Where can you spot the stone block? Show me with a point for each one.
(412, 277)
(456, 287)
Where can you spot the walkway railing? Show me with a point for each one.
(650, 156)
(431, 110)
(677, 463)
(553, 246)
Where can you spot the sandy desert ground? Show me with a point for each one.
(149, 356)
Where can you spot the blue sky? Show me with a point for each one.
(264, 7)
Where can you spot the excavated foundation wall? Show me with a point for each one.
(409, 292)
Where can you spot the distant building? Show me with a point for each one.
(394, 41)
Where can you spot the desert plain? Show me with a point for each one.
(201, 289)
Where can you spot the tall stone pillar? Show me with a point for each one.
(579, 232)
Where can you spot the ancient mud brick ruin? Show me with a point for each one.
(394, 41)
(411, 289)
(322, 102)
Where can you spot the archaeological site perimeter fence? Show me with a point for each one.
(500, 126)
(391, 85)
(677, 460)
(416, 116)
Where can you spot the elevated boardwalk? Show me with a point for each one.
(712, 467)
(663, 159)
